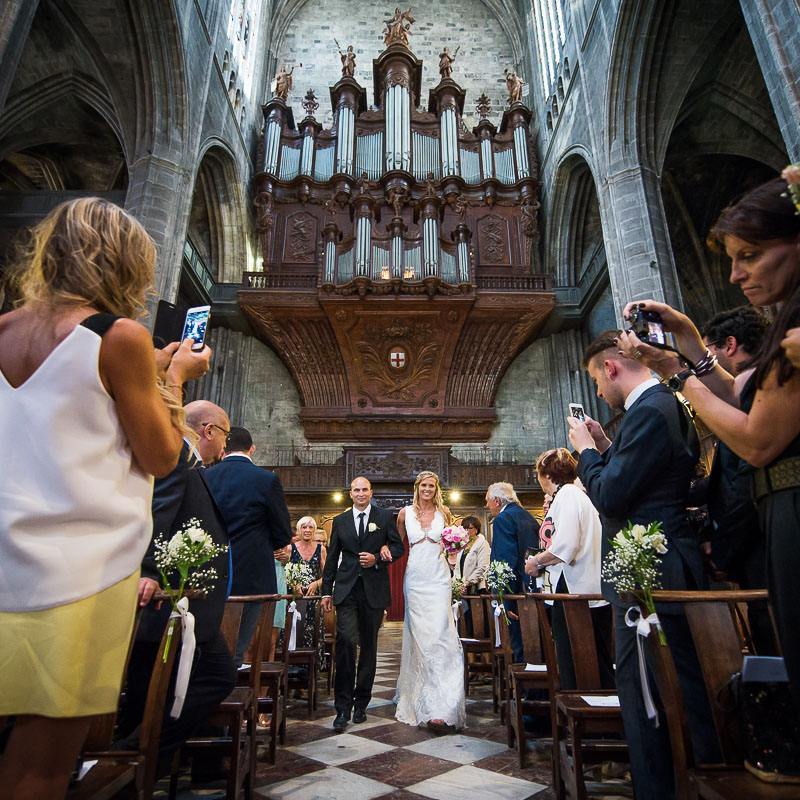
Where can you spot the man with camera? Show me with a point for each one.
(643, 476)
(737, 545)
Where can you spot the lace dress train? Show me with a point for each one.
(431, 681)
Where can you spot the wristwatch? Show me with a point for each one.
(675, 382)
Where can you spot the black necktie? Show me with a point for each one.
(361, 526)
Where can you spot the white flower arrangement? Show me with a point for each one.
(498, 579)
(188, 549)
(633, 563)
(298, 573)
(456, 589)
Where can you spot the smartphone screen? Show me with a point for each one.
(195, 325)
(576, 410)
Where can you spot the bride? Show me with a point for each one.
(430, 688)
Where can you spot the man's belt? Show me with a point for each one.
(783, 475)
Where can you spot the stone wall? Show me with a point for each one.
(485, 50)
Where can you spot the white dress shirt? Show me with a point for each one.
(639, 391)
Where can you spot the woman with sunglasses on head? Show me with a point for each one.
(755, 413)
(84, 426)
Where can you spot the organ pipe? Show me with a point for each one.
(330, 261)
(521, 150)
(463, 262)
(430, 246)
(272, 149)
(486, 158)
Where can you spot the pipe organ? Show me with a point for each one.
(409, 240)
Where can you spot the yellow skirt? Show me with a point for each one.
(67, 661)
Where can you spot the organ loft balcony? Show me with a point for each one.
(398, 279)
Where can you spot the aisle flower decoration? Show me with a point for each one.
(633, 564)
(455, 539)
(456, 589)
(498, 578)
(298, 573)
(185, 553)
(791, 175)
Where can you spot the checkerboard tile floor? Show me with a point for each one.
(385, 759)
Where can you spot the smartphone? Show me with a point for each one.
(576, 410)
(195, 326)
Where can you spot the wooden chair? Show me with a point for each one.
(117, 770)
(305, 658)
(239, 711)
(480, 644)
(578, 727)
(713, 624)
(520, 680)
(329, 628)
(273, 698)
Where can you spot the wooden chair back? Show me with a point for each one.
(480, 623)
(231, 622)
(582, 644)
(713, 623)
(546, 636)
(530, 629)
(154, 705)
(261, 635)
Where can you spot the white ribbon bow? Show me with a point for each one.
(295, 619)
(499, 609)
(456, 610)
(181, 611)
(642, 625)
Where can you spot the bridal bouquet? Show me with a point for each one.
(633, 563)
(298, 573)
(455, 539)
(791, 175)
(498, 579)
(188, 550)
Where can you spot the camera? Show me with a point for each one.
(647, 325)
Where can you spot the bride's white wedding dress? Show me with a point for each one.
(431, 682)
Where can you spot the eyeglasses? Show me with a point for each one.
(220, 428)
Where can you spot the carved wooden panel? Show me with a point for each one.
(300, 238)
(493, 241)
(396, 463)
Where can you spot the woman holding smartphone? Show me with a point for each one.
(84, 425)
(755, 413)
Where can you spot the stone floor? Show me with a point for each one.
(382, 758)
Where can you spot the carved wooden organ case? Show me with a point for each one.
(397, 284)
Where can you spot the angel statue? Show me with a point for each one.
(283, 83)
(514, 86)
(398, 28)
(446, 62)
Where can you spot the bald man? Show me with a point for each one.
(180, 496)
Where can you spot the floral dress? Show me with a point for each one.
(308, 608)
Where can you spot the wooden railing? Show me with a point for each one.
(312, 477)
(515, 283)
(269, 280)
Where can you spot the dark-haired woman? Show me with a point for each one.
(756, 417)
(573, 561)
(473, 561)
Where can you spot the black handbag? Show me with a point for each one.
(769, 728)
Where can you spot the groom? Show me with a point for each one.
(360, 593)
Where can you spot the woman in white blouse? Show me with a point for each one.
(572, 560)
(473, 562)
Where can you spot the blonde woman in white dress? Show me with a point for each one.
(430, 688)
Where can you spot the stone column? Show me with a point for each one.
(774, 27)
(159, 196)
(640, 261)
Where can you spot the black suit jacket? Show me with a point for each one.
(339, 579)
(177, 498)
(644, 477)
(254, 509)
(514, 530)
